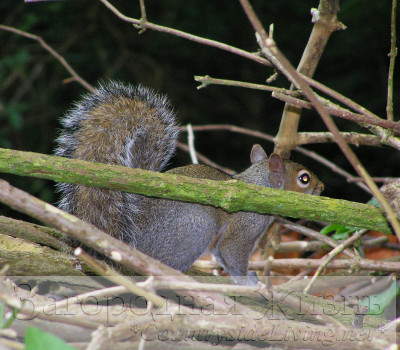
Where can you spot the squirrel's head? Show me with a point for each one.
(285, 174)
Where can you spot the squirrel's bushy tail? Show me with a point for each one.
(121, 125)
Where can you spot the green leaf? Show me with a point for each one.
(377, 303)
(331, 228)
(341, 232)
(340, 235)
(10, 319)
(36, 339)
(6, 319)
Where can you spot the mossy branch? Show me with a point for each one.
(30, 259)
(230, 195)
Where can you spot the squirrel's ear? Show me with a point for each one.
(257, 154)
(276, 170)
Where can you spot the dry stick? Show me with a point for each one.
(52, 52)
(386, 136)
(354, 138)
(144, 24)
(325, 22)
(111, 247)
(339, 97)
(331, 255)
(339, 112)
(117, 278)
(392, 55)
(324, 115)
(312, 246)
(207, 80)
(232, 128)
(376, 179)
(203, 287)
(143, 16)
(316, 84)
(301, 263)
(97, 294)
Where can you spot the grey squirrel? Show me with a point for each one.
(135, 127)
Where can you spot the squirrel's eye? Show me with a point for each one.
(303, 178)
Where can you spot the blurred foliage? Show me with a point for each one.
(98, 45)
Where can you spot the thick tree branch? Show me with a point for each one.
(325, 23)
(230, 195)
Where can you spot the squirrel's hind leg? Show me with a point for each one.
(181, 233)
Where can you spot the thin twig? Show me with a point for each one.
(192, 150)
(339, 112)
(354, 138)
(376, 179)
(331, 255)
(207, 80)
(339, 97)
(312, 234)
(301, 263)
(115, 277)
(312, 246)
(184, 35)
(54, 53)
(143, 16)
(386, 136)
(392, 55)
(97, 294)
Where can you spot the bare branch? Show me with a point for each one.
(338, 111)
(54, 53)
(362, 264)
(184, 35)
(392, 55)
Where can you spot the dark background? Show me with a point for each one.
(98, 45)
